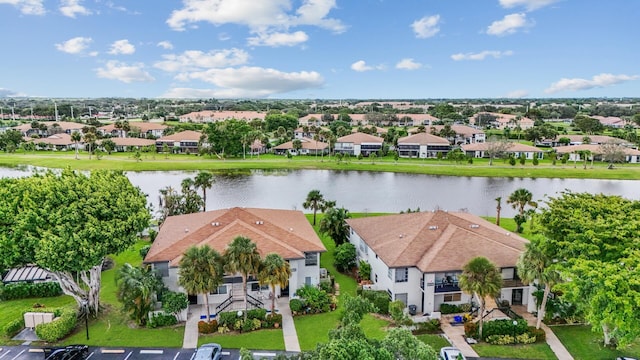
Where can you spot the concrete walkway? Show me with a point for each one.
(554, 343)
(288, 327)
(455, 334)
(190, 340)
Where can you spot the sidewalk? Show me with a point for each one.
(190, 340)
(552, 340)
(288, 327)
(455, 334)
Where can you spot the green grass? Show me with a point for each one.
(374, 327)
(13, 309)
(480, 167)
(314, 329)
(435, 341)
(533, 351)
(271, 339)
(584, 344)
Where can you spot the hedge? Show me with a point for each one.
(379, 298)
(23, 290)
(14, 327)
(160, 320)
(58, 328)
(504, 327)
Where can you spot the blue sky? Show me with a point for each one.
(328, 49)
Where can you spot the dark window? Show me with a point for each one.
(311, 259)
(162, 268)
(452, 297)
(402, 274)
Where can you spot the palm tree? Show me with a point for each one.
(315, 200)
(137, 289)
(242, 257)
(498, 208)
(481, 278)
(275, 272)
(204, 180)
(76, 137)
(535, 265)
(518, 200)
(90, 139)
(335, 226)
(201, 272)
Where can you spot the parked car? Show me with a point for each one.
(625, 358)
(211, 351)
(451, 353)
(71, 352)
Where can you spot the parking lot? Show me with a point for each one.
(33, 353)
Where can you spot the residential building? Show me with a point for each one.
(130, 144)
(480, 150)
(52, 128)
(417, 258)
(464, 134)
(285, 232)
(309, 147)
(144, 129)
(422, 145)
(60, 141)
(580, 140)
(209, 116)
(505, 121)
(183, 142)
(358, 143)
(595, 152)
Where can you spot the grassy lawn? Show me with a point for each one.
(271, 339)
(533, 351)
(584, 344)
(435, 341)
(13, 309)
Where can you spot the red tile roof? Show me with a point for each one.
(359, 138)
(187, 135)
(423, 139)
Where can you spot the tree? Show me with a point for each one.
(227, 137)
(587, 124)
(90, 139)
(191, 201)
(498, 208)
(76, 137)
(593, 239)
(534, 265)
(519, 199)
(405, 346)
(137, 289)
(174, 302)
(612, 152)
(345, 257)
(297, 145)
(275, 271)
(108, 145)
(315, 201)
(335, 226)
(204, 180)
(480, 277)
(242, 257)
(496, 148)
(201, 272)
(68, 224)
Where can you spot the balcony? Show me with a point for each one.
(511, 283)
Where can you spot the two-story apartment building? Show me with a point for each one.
(358, 143)
(285, 232)
(418, 257)
(422, 145)
(182, 142)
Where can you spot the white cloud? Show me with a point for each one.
(8, 93)
(71, 8)
(598, 81)
(77, 45)
(255, 82)
(481, 55)
(362, 66)
(195, 60)
(27, 7)
(516, 94)
(530, 5)
(165, 45)
(116, 70)
(259, 16)
(278, 39)
(426, 27)
(123, 47)
(408, 64)
(509, 24)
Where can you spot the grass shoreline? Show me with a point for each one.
(181, 162)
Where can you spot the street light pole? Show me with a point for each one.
(515, 323)
(85, 306)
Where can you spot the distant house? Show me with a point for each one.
(505, 121)
(464, 134)
(596, 152)
(52, 128)
(422, 145)
(209, 116)
(380, 131)
(130, 144)
(285, 232)
(60, 141)
(358, 143)
(479, 150)
(611, 121)
(182, 142)
(309, 147)
(300, 132)
(257, 148)
(145, 129)
(580, 140)
(417, 258)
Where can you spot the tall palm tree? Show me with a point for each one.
(535, 265)
(498, 208)
(334, 224)
(201, 272)
(315, 201)
(76, 137)
(481, 278)
(275, 271)
(242, 257)
(90, 139)
(136, 289)
(204, 180)
(519, 199)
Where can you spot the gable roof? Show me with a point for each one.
(359, 138)
(459, 129)
(143, 126)
(306, 144)
(56, 139)
(594, 149)
(285, 232)
(182, 136)
(437, 241)
(515, 147)
(120, 141)
(423, 139)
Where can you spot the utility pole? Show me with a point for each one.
(72, 112)
(55, 106)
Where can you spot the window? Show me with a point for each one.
(376, 276)
(220, 290)
(307, 280)
(390, 273)
(256, 287)
(402, 274)
(452, 297)
(402, 297)
(311, 259)
(162, 268)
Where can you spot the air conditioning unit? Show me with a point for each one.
(433, 227)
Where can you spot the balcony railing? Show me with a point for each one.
(509, 283)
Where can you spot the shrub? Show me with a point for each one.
(58, 328)
(471, 329)
(23, 290)
(364, 270)
(223, 330)
(325, 285)
(539, 334)
(525, 339)
(259, 314)
(345, 257)
(295, 305)
(380, 299)
(504, 327)
(160, 320)
(314, 300)
(144, 250)
(272, 319)
(450, 309)
(428, 327)
(174, 302)
(500, 339)
(466, 307)
(396, 310)
(14, 327)
(227, 319)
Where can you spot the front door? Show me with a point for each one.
(516, 297)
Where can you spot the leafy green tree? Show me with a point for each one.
(90, 139)
(76, 137)
(204, 180)
(519, 199)
(68, 223)
(275, 271)
(587, 124)
(534, 265)
(108, 145)
(201, 271)
(405, 346)
(335, 226)
(174, 302)
(274, 121)
(137, 289)
(242, 257)
(481, 278)
(345, 257)
(226, 137)
(192, 202)
(165, 150)
(315, 201)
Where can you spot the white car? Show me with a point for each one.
(451, 353)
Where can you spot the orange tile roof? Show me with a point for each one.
(286, 232)
(423, 139)
(593, 148)
(306, 144)
(437, 241)
(56, 139)
(183, 135)
(359, 138)
(143, 126)
(515, 147)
